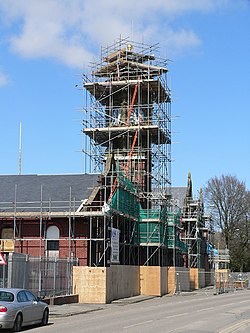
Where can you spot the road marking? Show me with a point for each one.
(227, 304)
(206, 309)
(142, 323)
(176, 315)
(235, 327)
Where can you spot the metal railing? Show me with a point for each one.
(214, 281)
(44, 276)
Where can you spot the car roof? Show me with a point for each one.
(11, 290)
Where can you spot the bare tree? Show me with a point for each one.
(229, 198)
(239, 243)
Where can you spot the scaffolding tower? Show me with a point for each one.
(195, 231)
(127, 134)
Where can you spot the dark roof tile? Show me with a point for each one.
(54, 188)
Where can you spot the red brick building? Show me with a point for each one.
(45, 215)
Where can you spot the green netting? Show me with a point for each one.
(161, 215)
(125, 202)
(160, 228)
(154, 229)
(174, 218)
(152, 233)
(149, 214)
(124, 181)
(173, 240)
(164, 214)
(124, 198)
(183, 247)
(155, 226)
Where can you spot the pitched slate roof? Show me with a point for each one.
(178, 195)
(56, 190)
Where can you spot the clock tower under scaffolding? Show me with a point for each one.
(127, 131)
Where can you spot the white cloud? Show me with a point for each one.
(3, 79)
(70, 30)
(182, 39)
(48, 29)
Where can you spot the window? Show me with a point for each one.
(21, 296)
(6, 296)
(30, 296)
(53, 232)
(52, 245)
(53, 236)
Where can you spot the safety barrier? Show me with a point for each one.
(43, 276)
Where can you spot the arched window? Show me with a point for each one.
(53, 232)
(52, 237)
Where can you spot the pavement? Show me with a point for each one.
(72, 309)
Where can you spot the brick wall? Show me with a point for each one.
(35, 247)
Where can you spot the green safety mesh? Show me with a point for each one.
(153, 226)
(152, 233)
(125, 202)
(160, 227)
(174, 220)
(125, 198)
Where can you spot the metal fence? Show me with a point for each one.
(217, 281)
(44, 276)
(187, 280)
(53, 277)
(241, 280)
(231, 281)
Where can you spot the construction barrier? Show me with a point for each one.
(102, 285)
(43, 275)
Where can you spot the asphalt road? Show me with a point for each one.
(195, 313)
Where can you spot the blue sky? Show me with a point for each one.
(46, 45)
